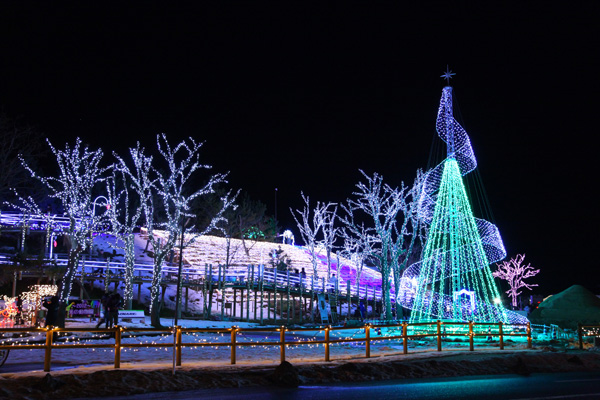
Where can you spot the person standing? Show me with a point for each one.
(117, 302)
(112, 310)
(51, 304)
(363, 310)
(334, 284)
(19, 314)
(104, 302)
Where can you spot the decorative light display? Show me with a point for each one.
(390, 211)
(32, 300)
(310, 227)
(80, 171)
(453, 280)
(514, 273)
(168, 188)
(10, 307)
(329, 232)
(356, 245)
(288, 237)
(123, 223)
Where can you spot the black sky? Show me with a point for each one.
(300, 97)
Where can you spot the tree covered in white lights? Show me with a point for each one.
(390, 214)
(330, 232)
(357, 243)
(124, 218)
(406, 230)
(514, 272)
(80, 172)
(165, 196)
(310, 223)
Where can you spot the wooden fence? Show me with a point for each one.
(438, 332)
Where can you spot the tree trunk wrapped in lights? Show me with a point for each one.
(124, 219)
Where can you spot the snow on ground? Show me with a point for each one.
(87, 372)
(221, 355)
(192, 300)
(79, 373)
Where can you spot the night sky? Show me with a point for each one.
(299, 98)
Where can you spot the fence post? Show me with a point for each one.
(439, 335)
(471, 347)
(501, 336)
(368, 340)
(580, 336)
(117, 330)
(48, 352)
(327, 342)
(405, 337)
(529, 335)
(233, 341)
(282, 343)
(178, 346)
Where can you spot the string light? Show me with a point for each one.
(80, 172)
(514, 272)
(169, 186)
(123, 223)
(453, 280)
(10, 307)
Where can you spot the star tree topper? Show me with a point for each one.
(447, 75)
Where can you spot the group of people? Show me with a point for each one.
(111, 302)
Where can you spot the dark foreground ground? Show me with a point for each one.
(109, 382)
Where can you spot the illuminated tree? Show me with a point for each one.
(330, 232)
(80, 172)
(514, 272)
(407, 230)
(357, 244)
(165, 199)
(246, 222)
(389, 211)
(453, 280)
(310, 222)
(124, 219)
